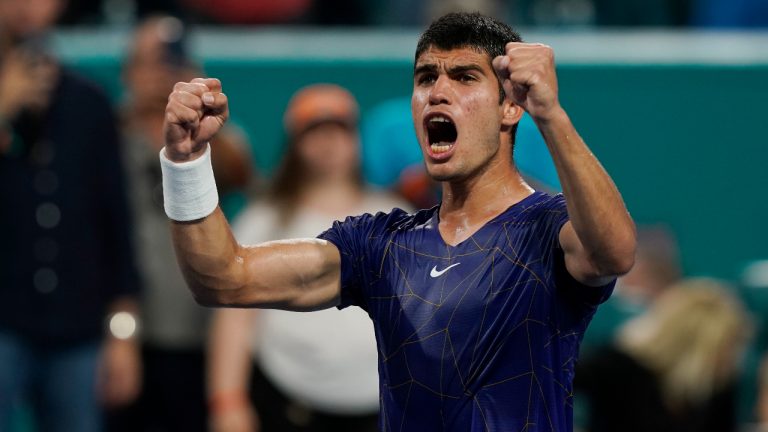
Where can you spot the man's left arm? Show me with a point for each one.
(599, 240)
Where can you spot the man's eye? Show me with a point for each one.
(467, 78)
(426, 79)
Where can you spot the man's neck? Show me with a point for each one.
(470, 203)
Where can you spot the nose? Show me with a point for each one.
(440, 92)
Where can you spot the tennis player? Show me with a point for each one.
(478, 304)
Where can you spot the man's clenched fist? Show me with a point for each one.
(195, 112)
(527, 73)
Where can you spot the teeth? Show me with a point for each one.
(440, 148)
(439, 119)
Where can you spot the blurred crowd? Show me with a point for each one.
(561, 13)
(97, 328)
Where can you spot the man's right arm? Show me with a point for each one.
(302, 274)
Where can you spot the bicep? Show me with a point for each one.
(578, 263)
(299, 274)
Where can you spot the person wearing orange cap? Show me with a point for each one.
(314, 371)
(479, 304)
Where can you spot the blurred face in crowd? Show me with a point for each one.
(24, 18)
(150, 72)
(329, 150)
(457, 114)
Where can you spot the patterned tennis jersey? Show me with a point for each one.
(481, 336)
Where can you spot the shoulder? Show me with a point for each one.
(380, 221)
(373, 226)
(541, 204)
(544, 215)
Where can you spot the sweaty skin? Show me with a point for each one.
(600, 239)
(479, 180)
(301, 274)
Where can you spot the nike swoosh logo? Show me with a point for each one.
(435, 273)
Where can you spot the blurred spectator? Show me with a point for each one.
(145, 9)
(82, 12)
(674, 368)
(754, 385)
(561, 13)
(580, 13)
(657, 266)
(174, 326)
(249, 11)
(754, 284)
(315, 371)
(762, 401)
(116, 12)
(389, 141)
(402, 13)
(391, 156)
(645, 13)
(552, 13)
(438, 8)
(341, 12)
(730, 13)
(67, 276)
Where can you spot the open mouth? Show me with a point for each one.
(441, 133)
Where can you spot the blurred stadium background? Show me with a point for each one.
(677, 117)
(669, 94)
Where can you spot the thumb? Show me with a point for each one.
(500, 65)
(509, 89)
(176, 131)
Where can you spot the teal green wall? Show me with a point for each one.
(686, 144)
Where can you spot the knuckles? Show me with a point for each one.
(185, 102)
(519, 49)
(179, 85)
(535, 60)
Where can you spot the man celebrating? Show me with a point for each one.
(478, 304)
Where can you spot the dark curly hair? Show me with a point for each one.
(468, 30)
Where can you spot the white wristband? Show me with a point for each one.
(189, 189)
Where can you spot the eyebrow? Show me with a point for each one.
(459, 69)
(455, 70)
(424, 68)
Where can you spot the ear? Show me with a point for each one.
(511, 113)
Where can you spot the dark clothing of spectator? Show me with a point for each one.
(625, 396)
(65, 251)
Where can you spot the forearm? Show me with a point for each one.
(298, 275)
(595, 207)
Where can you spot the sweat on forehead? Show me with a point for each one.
(467, 30)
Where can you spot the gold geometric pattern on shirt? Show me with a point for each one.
(494, 255)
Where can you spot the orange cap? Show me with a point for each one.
(319, 103)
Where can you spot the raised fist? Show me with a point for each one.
(527, 73)
(195, 112)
